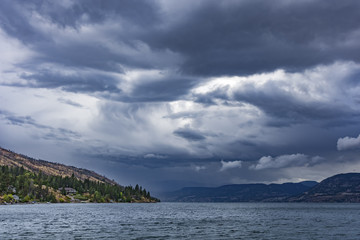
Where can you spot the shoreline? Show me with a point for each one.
(9, 204)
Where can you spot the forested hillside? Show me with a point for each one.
(338, 188)
(20, 185)
(12, 159)
(24, 179)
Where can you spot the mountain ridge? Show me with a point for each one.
(12, 159)
(256, 192)
(344, 187)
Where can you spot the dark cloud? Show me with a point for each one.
(64, 43)
(14, 20)
(283, 104)
(189, 134)
(245, 37)
(22, 120)
(210, 97)
(86, 82)
(164, 109)
(233, 38)
(286, 108)
(288, 101)
(168, 89)
(15, 14)
(185, 114)
(43, 131)
(69, 102)
(97, 11)
(150, 161)
(82, 55)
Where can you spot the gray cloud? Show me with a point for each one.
(246, 37)
(139, 12)
(69, 102)
(283, 104)
(42, 131)
(15, 14)
(164, 91)
(79, 37)
(348, 143)
(199, 168)
(294, 98)
(85, 82)
(189, 134)
(169, 88)
(152, 155)
(292, 160)
(229, 165)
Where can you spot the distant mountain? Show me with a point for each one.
(239, 193)
(338, 188)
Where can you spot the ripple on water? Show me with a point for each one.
(181, 221)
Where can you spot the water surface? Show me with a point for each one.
(181, 221)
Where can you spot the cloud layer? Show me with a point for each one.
(169, 92)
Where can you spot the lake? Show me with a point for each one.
(181, 221)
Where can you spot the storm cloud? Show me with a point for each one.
(176, 93)
(189, 134)
(247, 37)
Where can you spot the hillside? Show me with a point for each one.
(338, 188)
(239, 193)
(11, 159)
(24, 179)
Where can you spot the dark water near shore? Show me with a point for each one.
(181, 221)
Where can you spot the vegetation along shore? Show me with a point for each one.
(26, 180)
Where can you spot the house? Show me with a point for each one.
(68, 190)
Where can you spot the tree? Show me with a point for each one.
(27, 198)
(8, 198)
(63, 192)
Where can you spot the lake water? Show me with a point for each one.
(181, 221)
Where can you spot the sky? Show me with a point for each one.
(169, 94)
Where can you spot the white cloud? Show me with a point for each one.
(292, 160)
(199, 168)
(229, 165)
(348, 143)
(304, 87)
(13, 52)
(157, 156)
